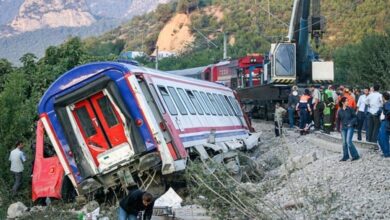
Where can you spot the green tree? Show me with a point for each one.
(187, 5)
(365, 63)
(72, 52)
(16, 118)
(5, 69)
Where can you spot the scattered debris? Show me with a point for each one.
(169, 199)
(16, 210)
(298, 162)
(293, 204)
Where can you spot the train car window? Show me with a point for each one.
(177, 100)
(208, 103)
(238, 107)
(157, 100)
(86, 121)
(214, 103)
(227, 107)
(230, 105)
(167, 99)
(221, 106)
(200, 100)
(187, 101)
(107, 111)
(48, 149)
(235, 106)
(195, 102)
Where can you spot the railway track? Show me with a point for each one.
(332, 142)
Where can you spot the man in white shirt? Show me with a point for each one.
(17, 159)
(374, 103)
(361, 111)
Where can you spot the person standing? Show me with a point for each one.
(317, 107)
(340, 95)
(293, 100)
(347, 118)
(135, 202)
(328, 114)
(350, 99)
(384, 131)
(279, 112)
(361, 112)
(356, 94)
(374, 102)
(330, 93)
(17, 159)
(304, 109)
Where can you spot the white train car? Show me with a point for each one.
(113, 124)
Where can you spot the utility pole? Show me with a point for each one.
(156, 57)
(224, 46)
(269, 12)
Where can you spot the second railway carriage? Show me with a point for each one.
(113, 124)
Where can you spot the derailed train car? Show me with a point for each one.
(114, 125)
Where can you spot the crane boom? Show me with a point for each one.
(292, 61)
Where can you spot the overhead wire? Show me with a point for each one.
(332, 15)
(317, 22)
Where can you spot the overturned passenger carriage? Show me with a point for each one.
(115, 124)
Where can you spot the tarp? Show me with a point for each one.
(169, 199)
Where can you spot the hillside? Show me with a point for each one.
(249, 25)
(33, 25)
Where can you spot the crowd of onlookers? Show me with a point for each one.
(341, 109)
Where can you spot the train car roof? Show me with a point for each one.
(81, 73)
(188, 72)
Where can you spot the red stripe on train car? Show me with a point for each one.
(172, 151)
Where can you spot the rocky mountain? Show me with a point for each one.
(33, 25)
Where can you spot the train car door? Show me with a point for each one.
(99, 123)
(48, 171)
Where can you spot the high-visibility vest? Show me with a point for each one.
(303, 101)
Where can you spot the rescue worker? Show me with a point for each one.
(135, 202)
(384, 131)
(304, 109)
(330, 93)
(328, 114)
(351, 101)
(279, 112)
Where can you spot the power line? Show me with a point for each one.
(332, 15)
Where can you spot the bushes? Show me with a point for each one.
(365, 63)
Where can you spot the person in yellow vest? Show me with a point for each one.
(328, 113)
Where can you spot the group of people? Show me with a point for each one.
(340, 109)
